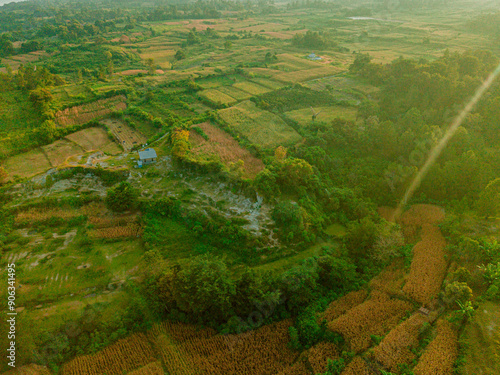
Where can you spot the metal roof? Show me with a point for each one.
(148, 153)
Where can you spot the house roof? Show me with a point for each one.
(148, 153)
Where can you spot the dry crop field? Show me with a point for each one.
(126, 136)
(225, 147)
(27, 164)
(84, 113)
(93, 139)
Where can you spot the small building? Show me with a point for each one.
(147, 156)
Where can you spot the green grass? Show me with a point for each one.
(17, 112)
(258, 126)
(288, 262)
(325, 114)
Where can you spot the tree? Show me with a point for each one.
(204, 286)
(457, 292)
(489, 199)
(180, 142)
(151, 66)
(280, 153)
(228, 44)
(122, 197)
(180, 55)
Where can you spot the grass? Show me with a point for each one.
(288, 262)
(258, 126)
(483, 339)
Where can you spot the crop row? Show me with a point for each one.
(123, 356)
(375, 316)
(440, 355)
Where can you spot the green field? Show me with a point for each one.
(324, 114)
(260, 127)
(17, 113)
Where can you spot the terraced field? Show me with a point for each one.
(260, 127)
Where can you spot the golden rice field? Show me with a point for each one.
(319, 354)
(396, 347)
(299, 368)
(376, 316)
(428, 267)
(259, 127)
(34, 215)
(390, 280)
(154, 368)
(344, 304)
(357, 366)
(186, 350)
(123, 356)
(440, 355)
(224, 147)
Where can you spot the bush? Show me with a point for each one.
(122, 197)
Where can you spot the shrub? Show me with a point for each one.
(122, 197)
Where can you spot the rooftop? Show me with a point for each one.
(148, 153)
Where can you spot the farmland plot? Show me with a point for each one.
(439, 357)
(325, 114)
(186, 350)
(252, 88)
(217, 97)
(127, 137)
(222, 145)
(258, 126)
(375, 316)
(84, 113)
(125, 355)
(27, 164)
(59, 151)
(93, 139)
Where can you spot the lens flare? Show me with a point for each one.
(438, 149)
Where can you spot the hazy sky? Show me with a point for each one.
(2, 2)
